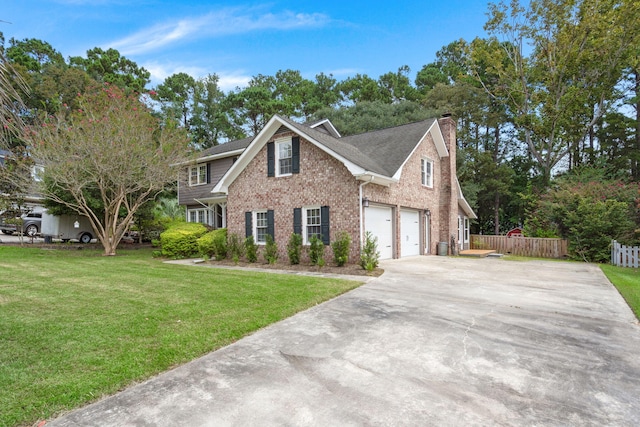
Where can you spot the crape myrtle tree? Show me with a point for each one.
(106, 158)
(11, 103)
(15, 168)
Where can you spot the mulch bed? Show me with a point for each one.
(347, 269)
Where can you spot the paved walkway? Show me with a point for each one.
(434, 341)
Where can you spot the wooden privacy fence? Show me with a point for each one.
(521, 246)
(624, 256)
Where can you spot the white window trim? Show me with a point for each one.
(197, 181)
(277, 144)
(429, 177)
(254, 226)
(200, 213)
(305, 238)
(466, 229)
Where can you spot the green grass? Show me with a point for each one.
(75, 326)
(627, 281)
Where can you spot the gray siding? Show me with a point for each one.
(217, 169)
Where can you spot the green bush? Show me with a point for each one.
(252, 249)
(316, 251)
(294, 248)
(220, 244)
(181, 240)
(214, 244)
(235, 247)
(370, 255)
(592, 226)
(271, 250)
(588, 213)
(341, 248)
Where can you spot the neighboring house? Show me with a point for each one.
(399, 183)
(31, 201)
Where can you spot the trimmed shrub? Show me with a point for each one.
(235, 247)
(294, 248)
(370, 255)
(316, 251)
(341, 248)
(181, 240)
(214, 244)
(252, 249)
(271, 250)
(220, 244)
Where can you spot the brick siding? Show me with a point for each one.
(325, 181)
(322, 181)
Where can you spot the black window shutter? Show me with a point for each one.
(324, 224)
(271, 159)
(295, 154)
(248, 227)
(297, 221)
(208, 173)
(270, 224)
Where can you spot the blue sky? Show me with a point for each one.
(238, 40)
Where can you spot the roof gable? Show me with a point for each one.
(390, 148)
(325, 126)
(373, 156)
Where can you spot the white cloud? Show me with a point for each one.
(159, 72)
(344, 72)
(224, 22)
(227, 80)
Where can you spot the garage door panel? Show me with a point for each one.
(410, 232)
(378, 221)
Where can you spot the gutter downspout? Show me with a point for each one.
(362, 213)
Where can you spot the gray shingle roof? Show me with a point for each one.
(382, 151)
(238, 144)
(389, 148)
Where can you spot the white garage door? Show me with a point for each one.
(378, 221)
(410, 232)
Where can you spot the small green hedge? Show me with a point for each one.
(214, 244)
(181, 240)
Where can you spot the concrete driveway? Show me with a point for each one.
(434, 341)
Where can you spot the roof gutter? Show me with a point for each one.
(379, 179)
(208, 158)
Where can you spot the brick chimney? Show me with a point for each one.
(449, 188)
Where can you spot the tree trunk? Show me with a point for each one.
(635, 152)
(496, 214)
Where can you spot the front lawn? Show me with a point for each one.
(75, 326)
(627, 281)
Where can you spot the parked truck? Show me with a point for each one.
(66, 227)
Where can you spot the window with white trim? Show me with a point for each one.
(261, 223)
(284, 157)
(311, 223)
(426, 166)
(198, 215)
(198, 175)
(466, 229)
